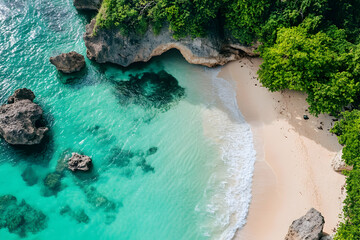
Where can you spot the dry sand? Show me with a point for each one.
(293, 168)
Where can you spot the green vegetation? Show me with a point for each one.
(185, 17)
(309, 45)
(348, 131)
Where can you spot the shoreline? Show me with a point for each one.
(293, 164)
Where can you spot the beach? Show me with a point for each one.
(293, 170)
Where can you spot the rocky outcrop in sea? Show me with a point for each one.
(308, 227)
(20, 119)
(111, 46)
(68, 62)
(79, 162)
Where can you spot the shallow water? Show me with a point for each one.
(173, 158)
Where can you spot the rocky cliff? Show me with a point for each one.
(111, 46)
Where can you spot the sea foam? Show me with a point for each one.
(228, 192)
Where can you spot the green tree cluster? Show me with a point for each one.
(186, 17)
(320, 64)
(348, 131)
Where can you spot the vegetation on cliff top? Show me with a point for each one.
(310, 45)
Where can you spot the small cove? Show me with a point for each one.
(161, 171)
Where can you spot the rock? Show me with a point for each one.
(53, 181)
(98, 200)
(20, 218)
(79, 162)
(327, 238)
(68, 62)
(21, 94)
(92, 5)
(20, 120)
(151, 151)
(110, 46)
(79, 215)
(308, 227)
(339, 164)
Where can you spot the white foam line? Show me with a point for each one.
(231, 203)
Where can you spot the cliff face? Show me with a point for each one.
(111, 46)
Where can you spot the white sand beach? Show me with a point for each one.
(293, 168)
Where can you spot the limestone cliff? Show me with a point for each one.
(111, 46)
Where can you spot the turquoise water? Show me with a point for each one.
(171, 161)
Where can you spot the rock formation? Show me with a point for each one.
(92, 5)
(68, 62)
(19, 120)
(327, 238)
(111, 46)
(308, 227)
(339, 164)
(21, 94)
(20, 218)
(79, 162)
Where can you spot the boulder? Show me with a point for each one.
(19, 120)
(92, 5)
(327, 238)
(79, 162)
(68, 62)
(109, 45)
(339, 164)
(21, 94)
(308, 227)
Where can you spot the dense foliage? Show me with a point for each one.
(321, 64)
(185, 17)
(348, 131)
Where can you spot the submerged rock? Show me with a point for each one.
(20, 218)
(92, 5)
(150, 90)
(339, 164)
(53, 181)
(98, 200)
(79, 214)
(68, 62)
(308, 227)
(20, 119)
(145, 166)
(111, 46)
(151, 151)
(79, 162)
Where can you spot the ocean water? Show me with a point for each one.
(173, 157)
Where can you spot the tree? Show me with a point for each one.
(317, 64)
